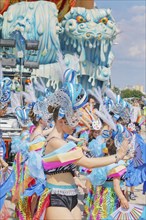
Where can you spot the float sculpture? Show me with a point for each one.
(86, 33)
(62, 5)
(90, 34)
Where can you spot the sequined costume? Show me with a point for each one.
(38, 166)
(7, 180)
(68, 100)
(20, 165)
(102, 200)
(136, 168)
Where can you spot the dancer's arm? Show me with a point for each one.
(70, 137)
(104, 161)
(122, 198)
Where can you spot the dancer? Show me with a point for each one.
(54, 171)
(38, 143)
(7, 175)
(105, 194)
(7, 180)
(60, 157)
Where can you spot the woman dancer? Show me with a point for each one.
(7, 180)
(105, 194)
(56, 189)
(37, 136)
(63, 198)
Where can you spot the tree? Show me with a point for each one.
(128, 93)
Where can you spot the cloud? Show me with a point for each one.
(132, 37)
(134, 51)
(138, 9)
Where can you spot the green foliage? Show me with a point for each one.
(128, 93)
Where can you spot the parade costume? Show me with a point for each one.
(59, 161)
(22, 149)
(96, 146)
(7, 180)
(136, 169)
(18, 144)
(102, 199)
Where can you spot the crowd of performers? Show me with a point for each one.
(66, 133)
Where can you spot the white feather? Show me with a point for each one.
(106, 119)
(39, 87)
(111, 94)
(103, 113)
(29, 94)
(15, 101)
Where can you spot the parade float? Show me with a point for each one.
(83, 37)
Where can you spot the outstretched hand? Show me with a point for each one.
(129, 156)
(124, 203)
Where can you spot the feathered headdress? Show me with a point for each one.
(21, 112)
(34, 102)
(118, 106)
(102, 112)
(40, 87)
(69, 99)
(76, 92)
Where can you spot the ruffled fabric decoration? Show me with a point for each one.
(136, 169)
(7, 181)
(102, 199)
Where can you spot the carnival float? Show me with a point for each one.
(82, 36)
(41, 39)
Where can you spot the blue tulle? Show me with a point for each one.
(35, 165)
(19, 146)
(135, 176)
(38, 188)
(23, 146)
(15, 144)
(96, 146)
(6, 187)
(25, 133)
(142, 144)
(98, 176)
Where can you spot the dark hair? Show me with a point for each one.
(55, 111)
(111, 146)
(137, 127)
(90, 97)
(91, 137)
(33, 117)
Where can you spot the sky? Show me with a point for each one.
(129, 66)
